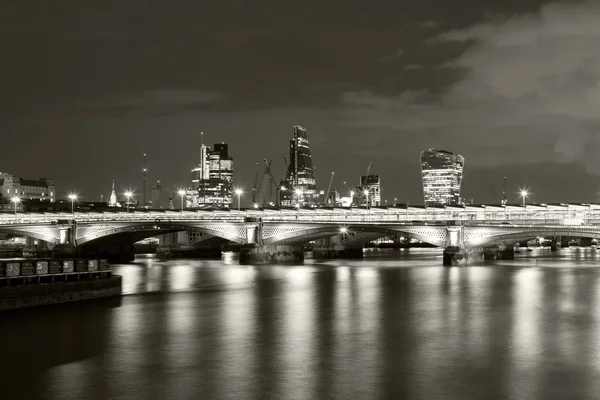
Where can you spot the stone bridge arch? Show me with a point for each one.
(288, 234)
(488, 236)
(47, 233)
(86, 233)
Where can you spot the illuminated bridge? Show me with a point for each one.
(467, 234)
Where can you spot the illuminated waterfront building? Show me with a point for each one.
(27, 189)
(442, 173)
(299, 186)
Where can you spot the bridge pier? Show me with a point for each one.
(555, 243)
(461, 256)
(177, 245)
(499, 252)
(332, 247)
(271, 254)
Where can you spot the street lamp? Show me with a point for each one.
(255, 205)
(298, 194)
(72, 197)
(395, 200)
(128, 195)
(524, 195)
(181, 193)
(239, 195)
(16, 200)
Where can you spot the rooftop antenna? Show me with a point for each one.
(144, 173)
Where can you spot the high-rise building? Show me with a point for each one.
(442, 173)
(372, 184)
(213, 178)
(156, 191)
(42, 189)
(299, 186)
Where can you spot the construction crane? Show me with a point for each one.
(326, 201)
(267, 182)
(254, 186)
(493, 194)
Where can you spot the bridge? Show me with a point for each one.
(467, 234)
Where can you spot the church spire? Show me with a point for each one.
(112, 202)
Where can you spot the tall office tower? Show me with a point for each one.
(299, 186)
(156, 196)
(371, 183)
(213, 183)
(442, 173)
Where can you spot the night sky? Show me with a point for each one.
(88, 86)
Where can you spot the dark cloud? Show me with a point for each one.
(90, 86)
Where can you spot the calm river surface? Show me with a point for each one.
(396, 325)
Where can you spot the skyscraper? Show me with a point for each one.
(213, 178)
(371, 183)
(441, 172)
(299, 186)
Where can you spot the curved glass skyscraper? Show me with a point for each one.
(442, 173)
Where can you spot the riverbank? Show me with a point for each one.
(38, 294)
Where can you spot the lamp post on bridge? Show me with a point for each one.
(16, 200)
(72, 197)
(524, 195)
(128, 195)
(239, 195)
(181, 193)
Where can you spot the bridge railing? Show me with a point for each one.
(309, 215)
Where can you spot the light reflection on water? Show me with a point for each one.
(393, 325)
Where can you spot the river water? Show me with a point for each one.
(395, 325)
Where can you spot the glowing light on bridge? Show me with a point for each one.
(524, 194)
(239, 193)
(181, 193)
(73, 198)
(128, 195)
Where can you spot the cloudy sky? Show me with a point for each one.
(513, 85)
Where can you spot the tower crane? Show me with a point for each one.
(326, 200)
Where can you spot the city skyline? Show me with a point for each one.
(401, 79)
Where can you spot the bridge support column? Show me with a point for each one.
(33, 250)
(460, 256)
(256, 252)
(456, 253)
(555, 243)
(564, 241)
(66, 247)
(332, 247)
(271, 254)
(499, 252)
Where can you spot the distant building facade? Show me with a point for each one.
(442, 173)
(299, 186)
(42, 189)
(372, 184)
(212, 182)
